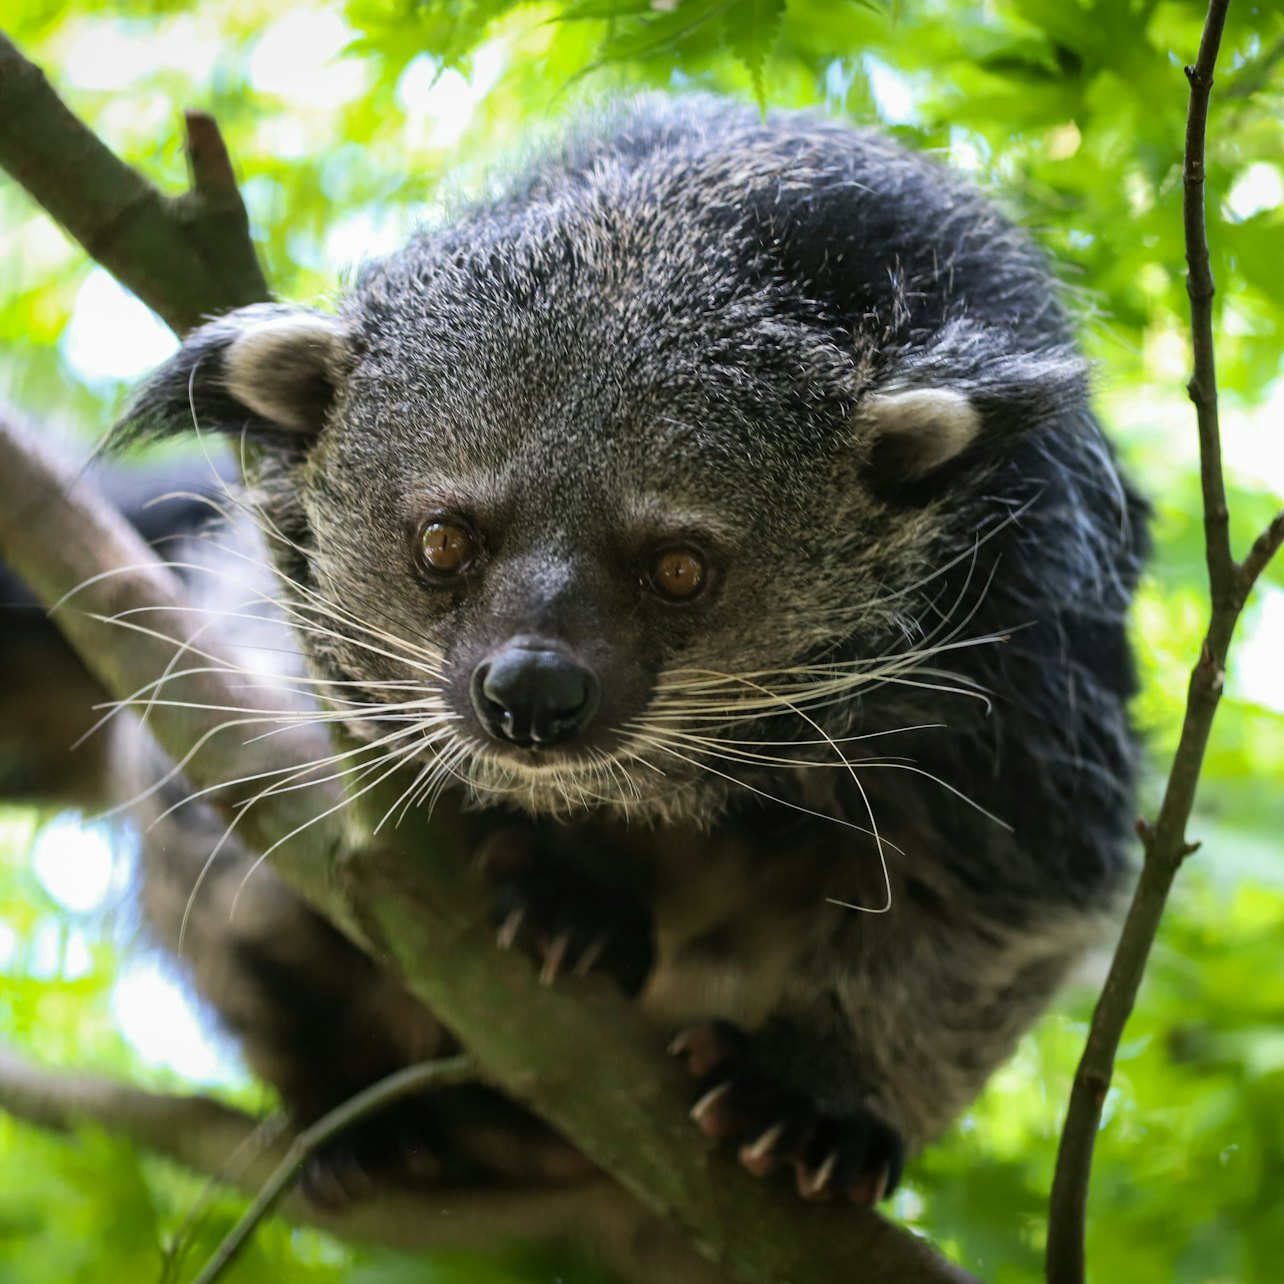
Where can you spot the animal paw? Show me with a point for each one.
(569, 923)
(393, 1149)
(855, 1157)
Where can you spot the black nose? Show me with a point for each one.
(534, 698)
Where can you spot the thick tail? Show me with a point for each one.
(47, 697)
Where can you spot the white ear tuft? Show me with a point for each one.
(922, 428)
(285, 368)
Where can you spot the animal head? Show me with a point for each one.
(622, 484)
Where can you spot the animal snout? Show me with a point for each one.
(534, 697)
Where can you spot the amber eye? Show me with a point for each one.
(678, 574)
(447, 548)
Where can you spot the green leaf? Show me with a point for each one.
(664, 33)
(753, 28)
(602, 10)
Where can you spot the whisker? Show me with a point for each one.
(415, 657)
(291, 771)
(397, 757)
(657, 743)
(869, 811)
(733, 751)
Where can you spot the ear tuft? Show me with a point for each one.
(285, 369)
(920, 428)
(972, 389)
(269, 371)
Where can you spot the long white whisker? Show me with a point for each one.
(869, 811)
(290, 772)
(397, 758)
(657, 743)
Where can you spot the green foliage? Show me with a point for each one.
(752, 28)
(1073, 111)
(1190, 1163)
(89, 1210)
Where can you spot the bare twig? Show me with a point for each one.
(404, 1083)
(1165, 843)
(1202, 386)
(227, 1145)
(185, 256)
(1265, 546)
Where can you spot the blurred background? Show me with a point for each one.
(350, 124)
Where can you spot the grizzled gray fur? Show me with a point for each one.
(718, 509)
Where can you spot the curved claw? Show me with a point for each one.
(853, 1155)
(813, 1183)
(506, 937)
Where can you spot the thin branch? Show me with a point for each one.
(228, 1146)
(403, 1083)
(197, 1132)
(208, 157)
(1264, 548)
(1165, 843)
(1202, 387)
(187, 257)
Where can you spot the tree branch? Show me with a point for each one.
(77, 553)
(1264, 548)
(1202, 387)
(187, 257)
(403, 1083)
(1165, 843)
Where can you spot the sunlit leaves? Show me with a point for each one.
(753, 27)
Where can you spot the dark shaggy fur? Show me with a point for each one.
(835, 376)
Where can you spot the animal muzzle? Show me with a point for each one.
(534, 696)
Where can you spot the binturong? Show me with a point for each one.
(716, 512)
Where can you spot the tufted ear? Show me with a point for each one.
(971, 389)
(268, 370)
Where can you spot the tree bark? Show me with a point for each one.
(187, 257)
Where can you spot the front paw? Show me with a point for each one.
(398, 1148)
(854, 1156)
(569, 923)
